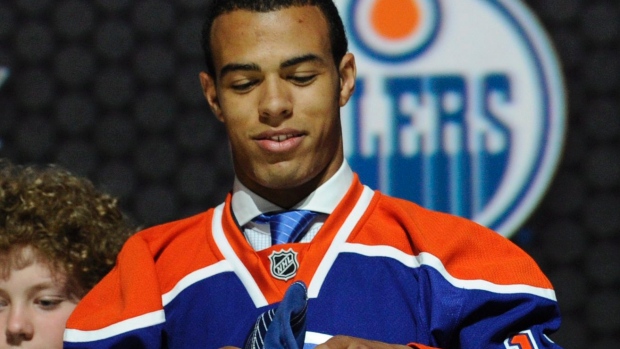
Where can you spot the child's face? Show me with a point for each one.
(34, 307)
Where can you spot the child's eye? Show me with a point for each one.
(49, 303)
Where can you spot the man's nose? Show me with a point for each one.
(276, 101)
(19, 326)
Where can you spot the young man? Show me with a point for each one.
(58, 237)
(381, 272)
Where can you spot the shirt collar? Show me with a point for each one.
(246, 204)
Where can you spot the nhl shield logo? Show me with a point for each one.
(284, 264)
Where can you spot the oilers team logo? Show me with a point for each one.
(459, 105)
(284, 264)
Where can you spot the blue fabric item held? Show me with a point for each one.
(283, 327)
(286, 226)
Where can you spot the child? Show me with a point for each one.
(58, 237)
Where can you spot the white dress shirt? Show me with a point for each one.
(246, 205)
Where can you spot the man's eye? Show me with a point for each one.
(244, 86)
(302, 79)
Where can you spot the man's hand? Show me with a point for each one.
(345, 342)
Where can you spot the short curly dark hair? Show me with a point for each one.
(71, 226)
(216, 8)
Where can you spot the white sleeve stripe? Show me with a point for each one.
(430, 260)
(136, 323)
(150, 319)
(194, 277)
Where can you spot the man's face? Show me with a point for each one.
(279, 94)
(34, 307)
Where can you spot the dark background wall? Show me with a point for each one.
(109, 89)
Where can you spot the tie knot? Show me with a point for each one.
(286, 226)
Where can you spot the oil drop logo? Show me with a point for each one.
(459, 105)
(394, 30)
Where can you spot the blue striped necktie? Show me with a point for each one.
(286, 226)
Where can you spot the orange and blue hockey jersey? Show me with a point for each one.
(380, 268)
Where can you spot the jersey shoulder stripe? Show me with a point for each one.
(429, 260)
(467, 250)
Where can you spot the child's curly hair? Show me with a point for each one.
(69, 225)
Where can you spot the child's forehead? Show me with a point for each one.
(31, 280)
(20, 257)
(26, 253)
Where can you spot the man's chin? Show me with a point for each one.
(281, 182)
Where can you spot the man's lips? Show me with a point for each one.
(279, 141)
(281, 138)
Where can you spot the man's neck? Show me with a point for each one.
(247, 204)
(287, 197)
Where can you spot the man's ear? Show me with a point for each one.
(210, 92)
(348, 73)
